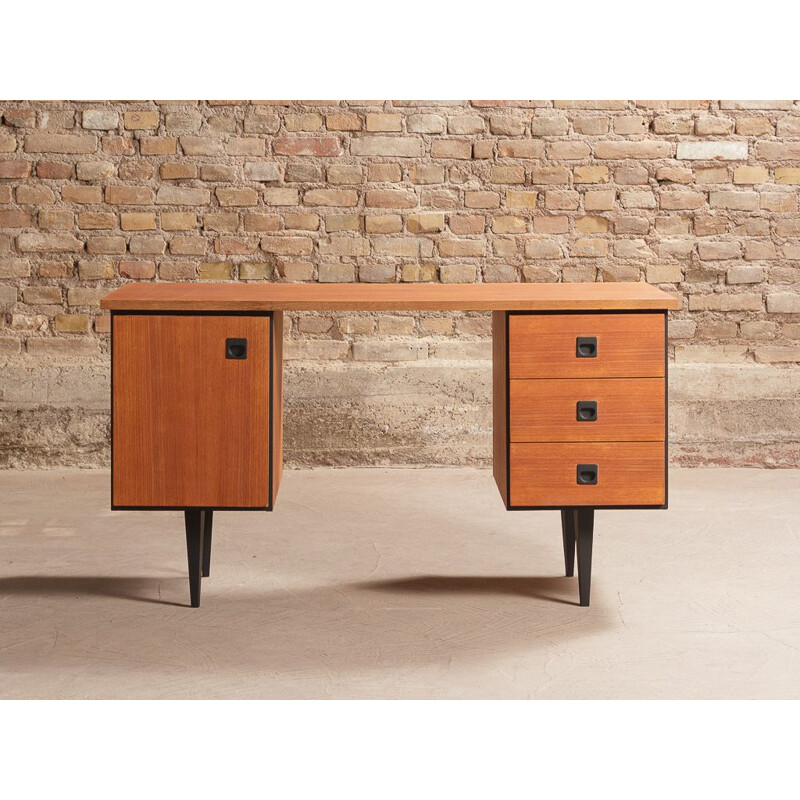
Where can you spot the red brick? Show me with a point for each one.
(451, 148)
(237, 197)
(71, 323)
(520, 148)
(60, 143)
(152, 146)
(390, 198)
(177, 170)
(229, 245)
(343, 122)
(461, 224)
(266, 223)
(15, 169)
(307, 146)
(138, 270)
(118, 146)
(33, 194)
(82, 194)
(106, 245)
(48, 243)
(188, 245)
(20, 117)
(56, 219)
(129, 195)
(15, 219)
(96, 220)
(55, 170)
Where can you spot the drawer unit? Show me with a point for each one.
(194, 411)
(580, 409)
(586, 345)
(587, 409)
(596, 474)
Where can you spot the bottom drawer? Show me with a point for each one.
(587, 474)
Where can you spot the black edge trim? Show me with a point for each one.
(271, 411)
(507, 379)
(190, 508)
(111, 407)
(666, 410)
(598, 508)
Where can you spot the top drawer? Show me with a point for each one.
(586, 345)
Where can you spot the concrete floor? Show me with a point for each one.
(376, 583)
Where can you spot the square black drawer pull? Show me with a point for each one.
(236, 348)
(587, 474)
(587, 411)
(586, 347)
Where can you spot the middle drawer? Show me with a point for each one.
(587, 410)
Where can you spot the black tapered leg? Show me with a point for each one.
(568, 536)
(584, 534)
(208, 524)
(195, 524)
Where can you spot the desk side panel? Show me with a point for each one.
(500, 401)
(276, 439)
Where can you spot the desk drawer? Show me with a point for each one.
(587, 409)
(615, 474)
(586, 345)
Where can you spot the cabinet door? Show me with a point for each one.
(191, 423)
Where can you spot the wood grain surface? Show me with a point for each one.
(628, 409)
(276, 473)
(190, 426)
(629, 473)
(499, 403)
(628, 345)
(393, 297)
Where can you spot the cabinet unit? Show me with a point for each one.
(196, 417)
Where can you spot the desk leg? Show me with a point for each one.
(195, 521)
(568, 537)
(208, 522)
(584, 534)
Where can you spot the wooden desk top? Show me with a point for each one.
(388, 297)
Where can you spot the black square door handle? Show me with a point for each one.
(587, 474)
(586, 411)
(236, 348)
(586, 347)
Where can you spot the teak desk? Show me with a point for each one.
(580, 396)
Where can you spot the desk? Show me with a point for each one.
(579, 396)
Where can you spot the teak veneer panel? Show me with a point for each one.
(500, 403)
(276, 473)
(629, 474)
(388, 297)
(628, 345)
(628, 409)
(190, 426)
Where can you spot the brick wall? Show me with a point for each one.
(699, 197)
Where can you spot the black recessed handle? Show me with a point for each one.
(587, 474)
(586, 347)
(586, 411)
(236, 348)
